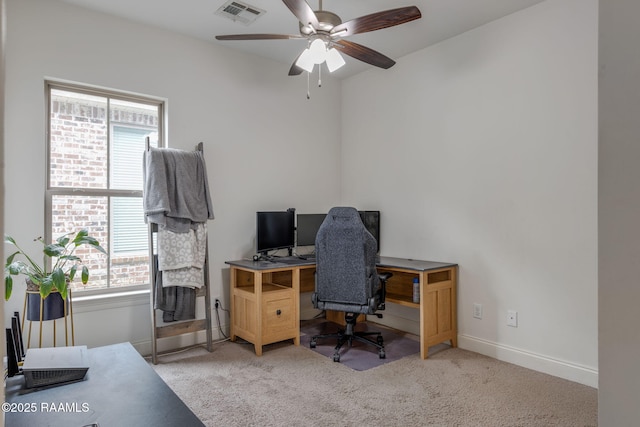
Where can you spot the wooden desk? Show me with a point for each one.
(265, 301)
(265, 298)
(120, 389)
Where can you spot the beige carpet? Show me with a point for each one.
(294, 386)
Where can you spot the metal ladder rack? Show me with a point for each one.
(183, 326)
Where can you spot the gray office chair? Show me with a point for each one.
(346, 276)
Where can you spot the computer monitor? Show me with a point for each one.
(275, 230)
(307, 228)
(371, 221)
(308, 225)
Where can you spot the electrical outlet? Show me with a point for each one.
(512, 318)
(477, 310)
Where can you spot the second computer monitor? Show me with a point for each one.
(307, 228)
(308, 225)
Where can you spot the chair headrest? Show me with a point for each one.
(343, 213)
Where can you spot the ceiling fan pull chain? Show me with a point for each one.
(320, 75)
(308, 91)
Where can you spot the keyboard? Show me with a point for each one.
(287, 260)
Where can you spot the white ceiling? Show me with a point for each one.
(440, 20)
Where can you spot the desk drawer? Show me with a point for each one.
(278, 317)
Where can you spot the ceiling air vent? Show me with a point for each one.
(240, 12)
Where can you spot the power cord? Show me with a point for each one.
(218, 306)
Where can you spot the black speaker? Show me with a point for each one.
(17, 335)
(12, 355)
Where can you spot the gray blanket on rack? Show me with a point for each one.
(176, 302)
(176, 189)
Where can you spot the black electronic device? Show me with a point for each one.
(371, 221)
(307, 227)
(17, 336)
(45, 367)
(15, 346)
(12, 354)
(275, 230)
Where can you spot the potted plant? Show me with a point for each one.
(58, 268)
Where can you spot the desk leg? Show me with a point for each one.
(295, 283)
(454, 306)
(424, 347)
(233, 277)
(257, 283)
(438, 317)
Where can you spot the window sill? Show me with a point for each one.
(89, 303)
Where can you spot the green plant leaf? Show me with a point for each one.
(60, 281)
(71, 258)
(72, 271)
(88, 240)
(46, 286)
(81, 235)
(85, 274)
(54, 250)
(14, 268)
(10, 258)
(63, 240)
(9, 239)
(36, 280)
(8, 287)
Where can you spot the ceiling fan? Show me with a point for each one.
(325, 30)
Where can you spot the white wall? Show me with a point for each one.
(250, 115)
(482, 150)
(618, 214)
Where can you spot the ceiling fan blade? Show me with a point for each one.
(295, 70)
(302, 11)
(364, 54)
(378, 21)
(259, 37)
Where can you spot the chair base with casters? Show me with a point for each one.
(347, 335)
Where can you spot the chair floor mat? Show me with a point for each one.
(359, 356)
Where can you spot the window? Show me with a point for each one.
(96, 139)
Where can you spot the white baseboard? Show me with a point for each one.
(404, 320)
(537, 362)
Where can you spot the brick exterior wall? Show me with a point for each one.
(78, 158)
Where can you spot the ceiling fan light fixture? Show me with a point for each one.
(334, 60)
(305, 61)
(318, 51)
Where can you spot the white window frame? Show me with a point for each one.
(92, 192)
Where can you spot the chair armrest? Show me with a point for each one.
(383, 288)
(385, 276)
